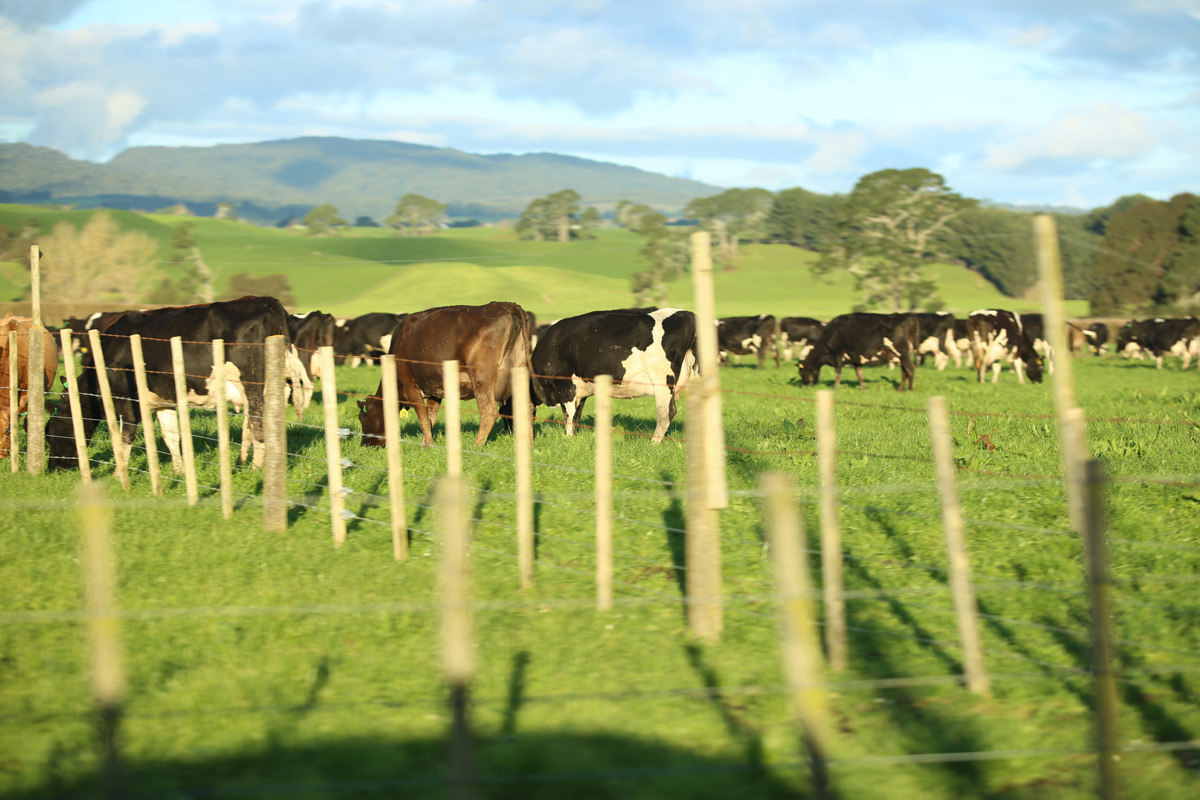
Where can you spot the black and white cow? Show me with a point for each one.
(244, 324)
(798, 335)
(646, 353)
(365, 338)
(743, 336)
(1035, 332)
(998, 335)
(1162, 337)
(962, 342)
(936, 337)
(79, 328)
(862, 339)
(1097, 337)
(310, 332)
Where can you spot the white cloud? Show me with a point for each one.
(1102, 131)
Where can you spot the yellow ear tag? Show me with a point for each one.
(403, 413)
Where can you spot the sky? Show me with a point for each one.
(1028, 102)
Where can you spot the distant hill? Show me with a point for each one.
(267, 181)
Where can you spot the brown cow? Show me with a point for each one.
(487, 341)
(22, 326)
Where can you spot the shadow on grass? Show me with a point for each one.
(675, 521)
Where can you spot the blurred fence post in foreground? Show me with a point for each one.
(523, 433)
(831, 535)
(1104, 684)
(710, 377)
(456, 628)
(275, 439)
(450, 402)
(35, 419)
(391, 434)
(333, 447)
(603, 493)
(702, 550)
(139, 376)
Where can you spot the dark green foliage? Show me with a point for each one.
(323, 220)
(416, 214)
(550, 217)
(732, 215)
(276, 286)
(803, 218)
(998, 244)
(365, 222)
(665, 255)
(1150, 258)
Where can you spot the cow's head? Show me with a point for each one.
(370, 417)
(1033, 368)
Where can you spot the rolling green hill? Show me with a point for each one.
(269, 180)
(372, 270)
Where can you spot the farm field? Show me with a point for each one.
(276, 665)
(367, 269)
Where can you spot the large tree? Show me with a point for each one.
(732, 215)
(803, 218)
(97, 262)
(323, 220)
(890, 225)
(550, 217)
(665, 255)
(416, 214)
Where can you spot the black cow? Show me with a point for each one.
(1161, 337)
(936, 337)
(742, 336)
(1035, 332)
(244, 324)
(366, 337)
(801, 333)
(864, 339)
(310, 332)
(998, 334)
(79, 328)
(1097, 337)
(646, 353)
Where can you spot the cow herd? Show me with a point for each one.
(647, 351)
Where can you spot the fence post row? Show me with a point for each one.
(226, 469)
(831, 535)
(798, 635)
(139, 375)
(275, 439)
(184, 424)
(523, 431)
(603, 490)
(110, 412)
(333, 447)
(81, 453)
(391, 433)
(960, 568)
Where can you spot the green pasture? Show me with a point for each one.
(372, 269)
(276, 665)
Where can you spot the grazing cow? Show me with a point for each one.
(742, 336)
(645, 353)
(79, 328)
(800, 333)
(366, 337)
(961, 342)
(1097, 337)
(244, 324)
(20, 382)
(310, 332)
(1160, 337)
(936, 337)
(864, 339)
(1035, 332)
(997, 334)
(487, 341)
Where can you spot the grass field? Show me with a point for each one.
(276, 665)
(370, 269)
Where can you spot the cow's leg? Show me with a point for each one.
(1158, 361)
(568, 410)
(996, 367)
(253, 430)
(837, 374)
(858, 371)
(941, 361)
(487, 415)
(128, 433)
(427, 413)
(355, 361)
(168, 420)
(1019, 368)
(664, 406)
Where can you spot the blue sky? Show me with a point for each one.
(1052, 102)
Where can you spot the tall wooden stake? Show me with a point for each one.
(14, 421)
(35, 420)
(275, 436)
(450, 391)
(710, 377)
(333, 447)
(120, 458)
(139, 376)
(186, 444)
(523, 435)
(1103, 677)
(702, 547)
(831, 535)
(81, 448)
(391, 433)
(457, 635)
(799, 639)
(604, 543)
(224, 467)
(960, 567)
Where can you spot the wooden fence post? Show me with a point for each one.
(100, 582)
(702, 551)
(139, 375)
(81, 448)
(457, 660)
(391, 433)
(960, 567)
(710, 377)
(224, 467)
(1074, 442)
(1103, 678)
(450, 392)
(14, 421)
(523, 435)
(275, 436)
(831, 535)
(120, 459)
(183, 411)
(604, 480)
(799, 639)
(35, 414)
(333, 447)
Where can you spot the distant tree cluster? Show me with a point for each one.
(557, 217)
(97, 262)
(665, 256)
(416, 214)
(732, 215)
